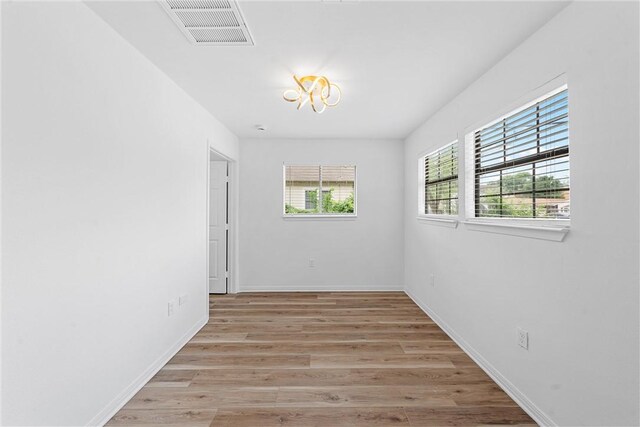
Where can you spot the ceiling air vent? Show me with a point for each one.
(210, 22)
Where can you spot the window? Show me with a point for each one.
(311, 198)
(441, 181)
(304, 184)
(522, 162)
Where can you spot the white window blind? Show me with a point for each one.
(522, 163)
(441, 181)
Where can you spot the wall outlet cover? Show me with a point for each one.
(523, 338)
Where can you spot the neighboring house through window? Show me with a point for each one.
(303, 184)
(311, 198)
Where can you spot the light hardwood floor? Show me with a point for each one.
(320, 359)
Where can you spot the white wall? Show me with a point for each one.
(1, 378)
(578, 299)
(360, 254)
(104, 173)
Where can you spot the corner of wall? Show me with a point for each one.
(520, 398)
(123, 397)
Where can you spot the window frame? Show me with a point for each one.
(543, 92)
(319, 216)
(422, 213)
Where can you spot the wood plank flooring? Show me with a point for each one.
(320, 359)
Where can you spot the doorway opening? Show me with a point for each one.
(219, 224)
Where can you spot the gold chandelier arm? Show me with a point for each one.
(314, 84)
(327, 85)
(289, 98)
(332, 104)
(301, 102)
(300, 83)
(313, 105)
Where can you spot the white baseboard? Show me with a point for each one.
(322, 288)
(116, 404)
(523, 401)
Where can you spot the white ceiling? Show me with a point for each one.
(396, 62)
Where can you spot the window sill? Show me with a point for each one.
(320, 217)
(555, 233)
(439, 221)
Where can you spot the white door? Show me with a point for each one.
(218, 228)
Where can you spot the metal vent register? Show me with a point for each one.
(210, 22)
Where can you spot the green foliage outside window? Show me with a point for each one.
(523, 181)
(329, 205)
(517, 198)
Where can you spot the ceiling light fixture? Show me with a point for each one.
(317, 90)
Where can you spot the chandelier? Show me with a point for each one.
(315, 90)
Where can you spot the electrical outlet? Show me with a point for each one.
(170, 307)
(523, 338)
(183, 299)
(312, 262)
(432, 280)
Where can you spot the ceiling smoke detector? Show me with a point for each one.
(210, 22)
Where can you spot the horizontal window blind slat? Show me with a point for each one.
(552, 100)
(529, 191)
(525, 160)
(442, 164)
(526, 138)
(509, 153)
(498, 128)
(528, 168)
(441, 180)
(533, 129)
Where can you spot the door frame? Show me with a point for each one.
(232, 197)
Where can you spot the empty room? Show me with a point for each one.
(319, 213)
